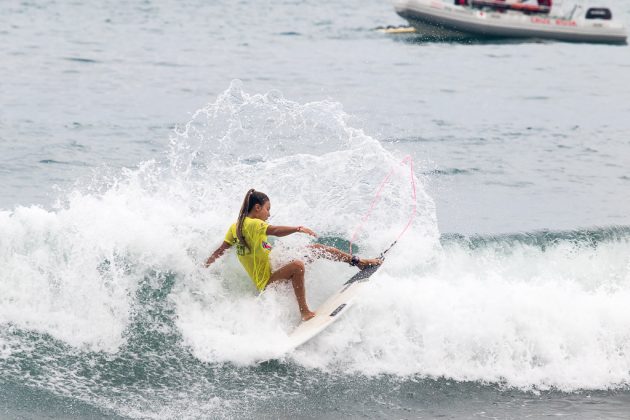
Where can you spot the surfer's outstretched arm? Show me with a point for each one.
(217, 253)
(288, 230)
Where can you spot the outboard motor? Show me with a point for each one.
(599, 13)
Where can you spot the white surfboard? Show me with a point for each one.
(329, 311)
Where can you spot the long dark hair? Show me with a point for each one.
(252, 198)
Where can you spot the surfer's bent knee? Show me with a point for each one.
(298, 265)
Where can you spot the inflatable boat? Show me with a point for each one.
(495, 18)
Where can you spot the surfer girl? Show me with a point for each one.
(249, 234)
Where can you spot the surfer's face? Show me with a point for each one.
(262, 212)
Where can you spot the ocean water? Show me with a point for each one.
(129, 132)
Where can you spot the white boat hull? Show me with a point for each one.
(438, 18)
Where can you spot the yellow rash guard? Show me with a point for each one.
(255, 260)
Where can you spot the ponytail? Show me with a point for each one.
(252, 198)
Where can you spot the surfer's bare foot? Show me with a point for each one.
(307, 315)
(368, 262)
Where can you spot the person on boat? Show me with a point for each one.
(249, 234)
(542, 6)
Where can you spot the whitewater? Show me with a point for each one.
(104, 299)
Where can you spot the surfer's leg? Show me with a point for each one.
(331, 253)
(294, 271)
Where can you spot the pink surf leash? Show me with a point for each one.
(409, 161)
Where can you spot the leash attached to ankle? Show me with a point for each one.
(354, 260)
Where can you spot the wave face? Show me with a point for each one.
(103, 297)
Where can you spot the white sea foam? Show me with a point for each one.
(528, 323)
(320, 173)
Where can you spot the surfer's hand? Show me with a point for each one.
(307, 231)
